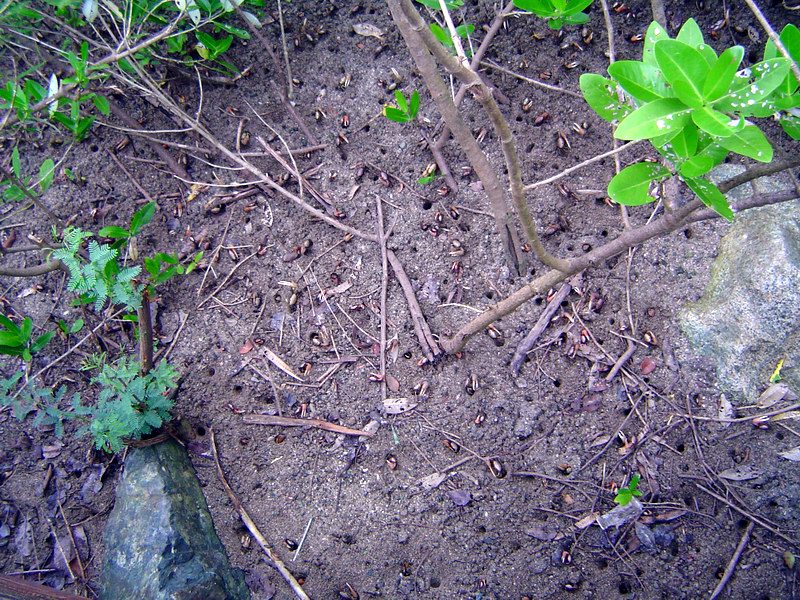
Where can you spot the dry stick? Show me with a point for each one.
(281, 91)
(629, 350)
(130, 177)
(168, 104)
(628, 239)
(384, 287)
(659, 14)
(615, 143)
(416, 29)
(15, 588)
(41, 269)
(436, 148)
(726, 576)
(227, 278)
(773, 36)
(162, 153)
(251, 527)
(541, 84)
(544, 320)
(752, 518)
(579, 166)
(429, 346)
(461, 132)
(292, 422)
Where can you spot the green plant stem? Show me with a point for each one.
(671, 221)
(441, 96)
(484, 96)
(773, 36)
(145, 335)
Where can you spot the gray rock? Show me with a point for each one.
(749, 316)
(160, 540)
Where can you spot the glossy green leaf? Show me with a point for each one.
(402, 104)
(142, 217)
(642, 81)
(543, 8)
(631, 185)
(691, 35)
(46, 173)
(434, 4)
(684, 69)
(101, 104)
(708, 156)
(16, 166)
(655, 32)
(600, 93)
(42, 341)
(750, 142)
(575, 6)
(752, 85)
(790, 38)
(685, 143)
(654, 119)
(8, 338)
(721, 75)
(791, 125)
(712, 122)
(710, 195)
(26, 328)
(394, 114)
(114, 232)
(414, 108)
(441, 35)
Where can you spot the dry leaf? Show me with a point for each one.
(600, 441)
(725, 410)
(741, 473)
(278, 362)
(247, 347)
(460, 497)
(586, 521)
(392, 383)
(353, 191)
(793, 454)
(397, 406)
(772, 395)
(394, 349)
(52, 450)
(368, 30)
(545, 532)
(432, 481)
(791, 414)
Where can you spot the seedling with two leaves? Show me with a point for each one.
(405, 111)
(15, 340)
(629, 492)
(19, 187)
(694, 106)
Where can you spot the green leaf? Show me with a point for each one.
(654, 119)
(76, 326)
(577, 19)
(441, 35)
(114, 232)
(790, 37)
(142, 217)
(543, 8)
(16, 167)
(42, 341)
(691, 35)
(394, 114)
(402, 104)
(791, 125)
(600, 93)
(101, 104)
(712, 122)
(643, 82)
(464, 30)
(7, 338)
(685, 143)
(705, 160)
(655, 32)
(720, 76)
(710, 195)
(631, 185)
(684, 69)
(434, 4)
(46, 173)
(10, 325)
(26, 328)
(414, 108)
(752, 85)
(750, 142)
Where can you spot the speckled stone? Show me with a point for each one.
(160, 540)
(749, 316)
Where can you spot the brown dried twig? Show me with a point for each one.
(292, 422)
(253, 529)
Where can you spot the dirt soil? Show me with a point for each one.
(375, 524)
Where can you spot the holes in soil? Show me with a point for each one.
(601, 563)
(778, 435)
(94, 148)
(212, 371)
(427, 205)
(366, 127)
(200, 431)
(625, 587)
(681, 447)
(557, 382)
(604, 233)
(489, 294)
(612, 321)
(538, 301)
(237, 388)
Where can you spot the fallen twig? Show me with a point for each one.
(384, 286)
(726, 576)
(429, 346)
(292, 422)
(251, 527)
(15, 588)
(533, 335)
